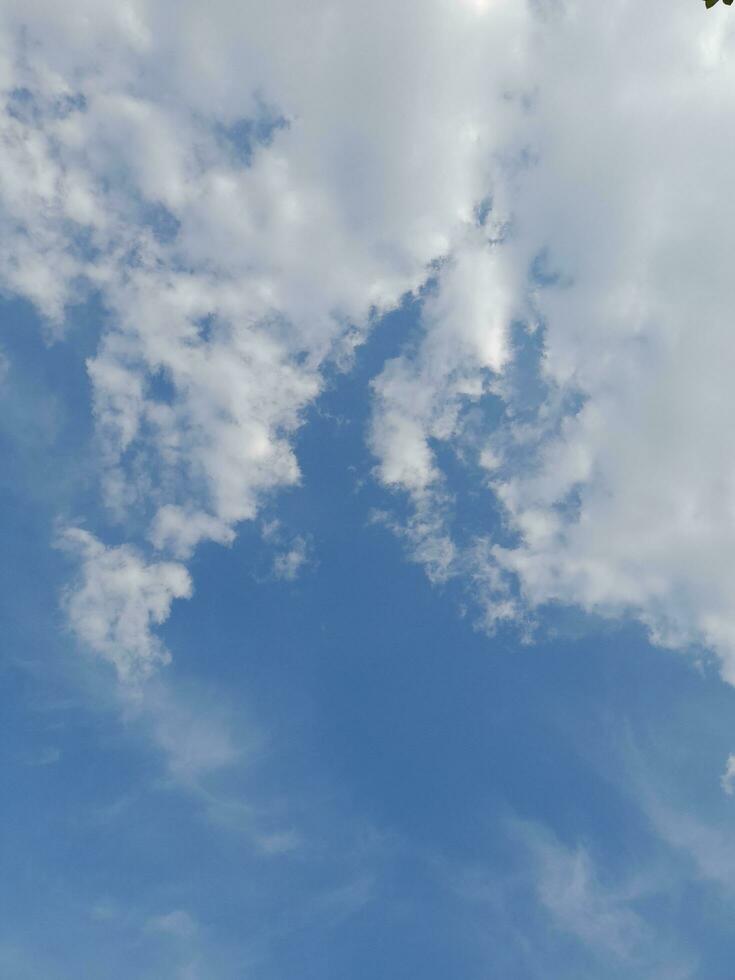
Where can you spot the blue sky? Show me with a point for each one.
(421, 774)
(366, 511)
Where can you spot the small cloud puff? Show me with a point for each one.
(294, 554)
(288, 564)
(178, 923)
(728, 777)
(118, 599)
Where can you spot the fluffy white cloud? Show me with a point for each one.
(117, 601)
(625, 505)
(617, 485)
(245, 204)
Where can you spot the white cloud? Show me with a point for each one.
(728, 777)
(626, 504)
(294, 552)
(117, 601)
(179, 530)
(618, 484)
(288, 564)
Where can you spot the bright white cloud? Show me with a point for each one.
(119, 599)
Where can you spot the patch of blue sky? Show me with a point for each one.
(433, 732)
(483, 210)
(23, 104)
(160, 388)
(243, 136)
(46, 420)
(162, 222)
(394, 757)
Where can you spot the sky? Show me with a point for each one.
(367, 511)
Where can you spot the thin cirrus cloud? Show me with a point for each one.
(246, 211)
(574, 904)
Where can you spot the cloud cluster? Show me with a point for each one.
(611, 462)
(626, 506)
(244, 210)
(248, 192)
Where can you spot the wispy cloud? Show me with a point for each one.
(554, 904)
